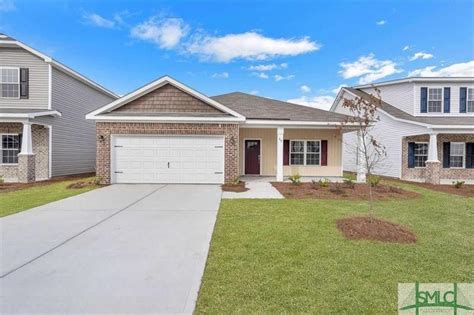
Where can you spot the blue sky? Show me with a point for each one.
(299, 51)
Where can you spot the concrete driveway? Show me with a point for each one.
(118, 249)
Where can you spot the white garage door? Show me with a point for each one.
(167, 159)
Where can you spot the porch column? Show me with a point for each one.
(26, 158)
(361, 169)
(433, 164)
(279, 174)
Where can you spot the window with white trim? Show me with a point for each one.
(435, 97)
(9, 82)
(456, 154)
(10, 147)
(305, 152)
(421, 154)
(470, 100)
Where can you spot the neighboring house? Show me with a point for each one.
(42, 107)
(166, 132)
(426, 124)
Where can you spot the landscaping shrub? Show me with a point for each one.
(1, 180)
(324, 182)
(374, 181)
(314, 184)
(295, 179)
(458, 184)
(336, 188)
(349, 181)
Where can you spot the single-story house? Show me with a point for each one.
(167, 132)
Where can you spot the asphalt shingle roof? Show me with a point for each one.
(261, 108)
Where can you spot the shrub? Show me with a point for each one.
(295, 179)
(458, 184)
(235, 181)
(97, 180)
(336, 188)
(349, 181)
(324, 182)
(1, 180)
(374, 181)
(314, 184)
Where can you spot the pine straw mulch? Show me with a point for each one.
(240, 187)
(7, 187)
(340, 191)
(370, 228)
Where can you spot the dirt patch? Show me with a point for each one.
(369, 228)
(240, 187)
(6, 187)
(341, 191)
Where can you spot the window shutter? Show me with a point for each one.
(411, 154)
(24, 83)
(424, 100)
(324, 152)
(446, 154)
(447, 99)
(470, 155)
(286, 152)
(462, 99)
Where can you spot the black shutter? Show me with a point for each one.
(424, 100)
(24, 83)
(446, 154)
(411, 154)
(470, 155)
(462, 99)
(447, 99)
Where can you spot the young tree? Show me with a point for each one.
(369, 150)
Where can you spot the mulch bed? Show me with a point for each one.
(464, 190)
(6, 187)
(341, 191)
(240, 187)
(370, 228)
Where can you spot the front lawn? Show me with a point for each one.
(287, 256)
(18, 200)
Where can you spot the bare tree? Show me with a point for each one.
(369, 151)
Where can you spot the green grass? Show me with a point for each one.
(286, 256)
(20, 200)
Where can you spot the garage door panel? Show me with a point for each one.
(168, 159)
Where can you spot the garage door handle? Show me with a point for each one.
(217, 172)
(118, 172)
(168, 164)
(218, 147)
(118, 146)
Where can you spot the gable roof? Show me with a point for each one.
(6, 41)
(261, 108)
(106, 112)
(417, 79)
(400, 114)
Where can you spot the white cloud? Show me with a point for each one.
(421, 55)
(321, 101)
(368, 69)
(381, 22)
(261, 75)
(406, 47)
(305, 89)
(278, 77)
(254, 92)
(268, 67)
(166, 33)
(95, 19)
(222, 75)
(465, 69)
(249, 45)
(7, 5)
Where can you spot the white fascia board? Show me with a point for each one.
(53, 113)
(155, 85)
(297, 123)
(164, 119)
(338, 97)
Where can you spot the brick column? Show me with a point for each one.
(433, 172)
(26, 168)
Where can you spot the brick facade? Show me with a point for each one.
(420, 174)
(167, 99)
(26, 168)
(106, 129)
(40, 141)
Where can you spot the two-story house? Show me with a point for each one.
(43, 104)
(426, 125)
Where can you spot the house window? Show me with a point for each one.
(435, 97)
(305, 152)
(11, 146)
(470, 100)
(10, 82)
(421, 154)
(456, 154)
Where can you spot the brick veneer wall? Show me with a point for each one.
(106, 129)
(419, 174)
(168, 99)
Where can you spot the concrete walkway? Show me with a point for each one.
(259, 188)
(119, 249)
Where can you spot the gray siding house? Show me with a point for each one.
(43, 132)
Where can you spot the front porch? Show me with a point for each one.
(438, 158)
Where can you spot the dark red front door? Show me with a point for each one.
(252, 157)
